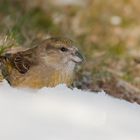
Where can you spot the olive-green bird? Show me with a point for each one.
(50, 63)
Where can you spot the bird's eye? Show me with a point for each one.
(63, 49)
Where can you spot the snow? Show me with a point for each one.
(61, 113)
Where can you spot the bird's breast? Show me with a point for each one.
(60, 77)
(41, 77)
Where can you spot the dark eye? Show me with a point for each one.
(63, 49)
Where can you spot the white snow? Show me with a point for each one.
(63, 114)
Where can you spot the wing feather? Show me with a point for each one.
(21, 61)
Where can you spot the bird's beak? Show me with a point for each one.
(78, 57)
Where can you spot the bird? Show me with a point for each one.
(47, 64)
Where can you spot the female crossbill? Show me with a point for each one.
(50, 63)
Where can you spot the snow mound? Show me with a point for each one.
(61, 113)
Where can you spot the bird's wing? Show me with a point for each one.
(21, 61)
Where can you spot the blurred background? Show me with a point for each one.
(106, 31)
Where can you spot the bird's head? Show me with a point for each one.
(61, 53)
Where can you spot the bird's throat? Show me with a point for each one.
(60, 77)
